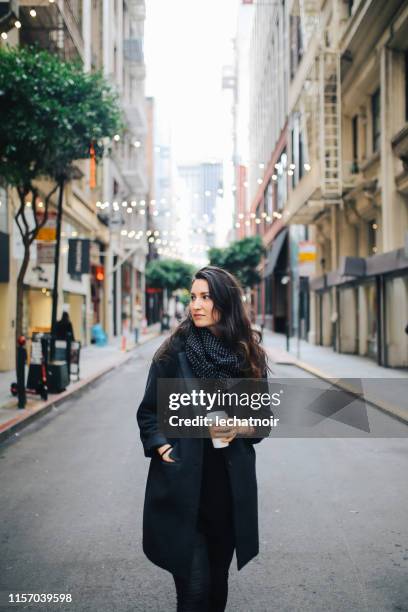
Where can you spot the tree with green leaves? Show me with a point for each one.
(169, 274)
(51, 113)
(240, 258)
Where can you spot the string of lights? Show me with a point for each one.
(17, 23)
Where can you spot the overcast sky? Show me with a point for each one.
(186, 44)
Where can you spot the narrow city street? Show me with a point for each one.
(333, 513)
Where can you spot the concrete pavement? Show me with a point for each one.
(95, 361)
(385, 388)
(332, 513)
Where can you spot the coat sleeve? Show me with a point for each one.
(150, 434)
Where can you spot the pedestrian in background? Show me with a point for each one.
(201, 501)
(63, 327)
(137, 321)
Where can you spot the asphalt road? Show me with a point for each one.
(333, 513)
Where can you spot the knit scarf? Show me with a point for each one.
(209, 356)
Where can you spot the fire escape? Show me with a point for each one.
(319, 107)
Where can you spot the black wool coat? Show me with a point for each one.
(173, 489)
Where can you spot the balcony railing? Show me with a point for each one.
(57, 26)
(133, 50)
(136, 118)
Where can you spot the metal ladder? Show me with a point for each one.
(330, 126)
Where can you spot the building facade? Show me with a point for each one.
(349, 91)
(268, 161)
(108, 36)
(328, 125)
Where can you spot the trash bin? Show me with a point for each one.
(98, 336)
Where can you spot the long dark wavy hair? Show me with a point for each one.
(233, 326)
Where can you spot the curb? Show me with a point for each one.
(385, 407)
(28, 415)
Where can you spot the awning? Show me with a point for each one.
(273, 254)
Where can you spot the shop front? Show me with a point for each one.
(362, 308)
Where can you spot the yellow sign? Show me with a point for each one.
(48, 234)
(306, 257)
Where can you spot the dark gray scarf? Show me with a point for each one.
(209, 356)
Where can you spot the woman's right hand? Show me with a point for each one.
(165, 456)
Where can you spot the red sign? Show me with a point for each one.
(153, 290)
(99, 273)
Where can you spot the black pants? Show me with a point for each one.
(206, 589)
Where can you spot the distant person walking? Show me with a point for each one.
(63, 327)
(137, 322)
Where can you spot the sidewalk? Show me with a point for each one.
(385, 388)
(95, 361)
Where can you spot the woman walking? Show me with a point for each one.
(201, 501)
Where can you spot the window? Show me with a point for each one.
(282, 180)
(296, 50)
(372, 237)
(258, 216)
(3, 211)
(268, 199)
(354, 128)
(406, 86)
(376, 120)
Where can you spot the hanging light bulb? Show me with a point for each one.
(33, 13)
